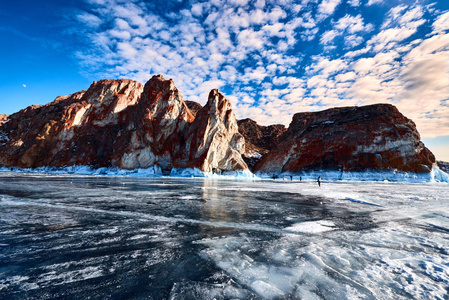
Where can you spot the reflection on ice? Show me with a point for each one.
(177, 238)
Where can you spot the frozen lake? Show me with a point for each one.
(185, 238)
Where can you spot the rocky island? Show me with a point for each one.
(121, 123)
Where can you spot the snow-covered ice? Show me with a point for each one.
(143, 235)
(436, 175)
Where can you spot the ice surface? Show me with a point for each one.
(134, 237)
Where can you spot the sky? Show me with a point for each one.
(270, 58)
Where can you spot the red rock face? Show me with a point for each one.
(259, 140)
(114, 123)
(350, 139)
(213, 141)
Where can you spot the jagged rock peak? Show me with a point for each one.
(158, 82)
(106, 90)
(213, 141)
(217, 102)
(162, 120)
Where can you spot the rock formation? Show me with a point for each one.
(259, 140)
(120, 123)
(375, 137)
(154, 133)
(123, 124)
(213, 141)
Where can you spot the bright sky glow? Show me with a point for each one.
(270, 58)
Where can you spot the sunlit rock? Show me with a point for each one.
(213, 141)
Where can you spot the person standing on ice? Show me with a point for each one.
(319, 180)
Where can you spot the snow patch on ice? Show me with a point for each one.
(312, 226)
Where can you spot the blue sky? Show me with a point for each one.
(270, 58)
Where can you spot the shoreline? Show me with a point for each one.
(435, 176)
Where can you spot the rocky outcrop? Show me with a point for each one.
(213, 141)
(154, 134)
(259, 140)
(3, 118)
(120, 123)
(193, 106)
(80, 129)
(374, 137)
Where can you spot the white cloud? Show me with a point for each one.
(123, 35)
(372, 2)
(348, 76)
(260, 4)
(441, 24)
(350, 27)
(328, 36)
(353, 40)
(238, 2)
(197, 9)
(24, 85)
(353, 24)
(89, 19)
(327, 8)
(388, 38)
(354, 2)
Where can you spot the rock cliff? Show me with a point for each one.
(375, 137)
(124, 124)
(121, 123)
(259, 140)
(213, 141)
